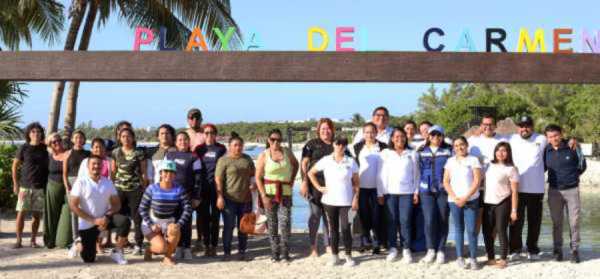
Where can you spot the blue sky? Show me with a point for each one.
(283, 25)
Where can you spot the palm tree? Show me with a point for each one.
(19, 20)
(177, 16)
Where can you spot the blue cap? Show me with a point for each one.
(436, 128)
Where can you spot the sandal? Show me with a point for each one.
(17, 246)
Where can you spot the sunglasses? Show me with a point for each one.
(275, 139)
(210, 133)
(55, 141)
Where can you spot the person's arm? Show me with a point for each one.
(15, 175)
(355, 190)
(219, 173)
(74, 206)
(514, 188)
(113, 169)
(197, 173)
(416, 177)
(186, 212)
(82, 167)
(260, 183)
(381, 178)
(144, 207)
(475, 184)
(295, 165)
(312, 175)
(446, 183)
(115, 205)
(144, 170)
(303, 172)
(65, 172)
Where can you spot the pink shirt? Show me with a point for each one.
(498, 178)
(196, 138)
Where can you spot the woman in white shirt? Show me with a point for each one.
(501, 200)
(461, 181)
(397, 187)
(340, 193)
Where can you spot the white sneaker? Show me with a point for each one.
(429, 257)
(440, 258)
(514, 257)
(392, 255)
(187, 254)
(333, 260)
(178, 253)
(533, 257)
(473, 264)
(118, 257)
(73, 251)
(407, 256)
(460, 262)
(137, 250)
(349, 261)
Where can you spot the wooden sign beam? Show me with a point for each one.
(287, 66)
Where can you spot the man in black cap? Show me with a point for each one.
(528, 154)
(194, 130)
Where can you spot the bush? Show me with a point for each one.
(7, 198)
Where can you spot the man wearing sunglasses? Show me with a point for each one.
(194, 130)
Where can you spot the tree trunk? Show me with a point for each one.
(77, 12)
(73, 92)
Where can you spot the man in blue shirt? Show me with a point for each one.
(564, 166)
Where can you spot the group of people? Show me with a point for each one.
(403, 182)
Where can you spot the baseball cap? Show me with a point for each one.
(525, 120)
(168, 165)
(194, 112)
(436, 129)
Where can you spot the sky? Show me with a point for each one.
(282, 26)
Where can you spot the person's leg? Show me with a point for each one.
(480, 212)
(228, 225)
(203, 222)
(534, 222)
(333, 222)
(55, 195)
(88, 244)
(376, 216)
(20, 223)
(173, 236)
(135, 197)
(158, 244)
(242, 208)
(444, 214)
(556, 205)
(74, 219)
(392, 211)
(429, 214)
(215, 216)
(346, 230)
(501, 218)
(573, 201)
(471, 212)
(35, 226)
(515, 232)
(285, 227)
(273, 224)
(326, 237)
(314, 222)
(364, 214)
(121, 224)
(459, 228)
(488, 224)
(405, 213)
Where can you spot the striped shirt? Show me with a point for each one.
(164, 204)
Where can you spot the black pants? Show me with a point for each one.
(337, 216)
(130, 202)
(207, 218)
(533, 204)
(495, 219)
(120, 223)
(370, 214)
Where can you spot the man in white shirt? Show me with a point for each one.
(95, 201)
(528, 153)
(381, 119)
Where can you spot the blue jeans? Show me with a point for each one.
(232, 214)
(399, 209)
(465, 216)
(435, 213)
(370, 217)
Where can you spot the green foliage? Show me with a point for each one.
(7, 198)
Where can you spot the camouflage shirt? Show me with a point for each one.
(128, 176)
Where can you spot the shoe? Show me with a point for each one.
(558, 255)
(275, 258)
(473, 265)
(178, 253)
(429, 257)
(407, 256)
(440, 258)
(241, 256)
(118, 257)
(137, 250)
(73, 251)
(460, 262)
(575, 257)
(333, 260)
(376, 250)
(226, 257)
(187, 254)
(514, 257)
(349, 261)
(533, 256)
(286, 258)
(392, 255)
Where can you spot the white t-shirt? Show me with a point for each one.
(383, 136)
(461, 175)
(528, 155)
(94, 198)
(483, 147)
(498, 178)
(367, 172)
(338, 180)
(397, 174)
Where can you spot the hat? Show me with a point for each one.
(525, 120)
(436, 128)
(168, 165)
(194, 112)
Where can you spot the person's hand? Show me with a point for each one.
(101, 222)
(304, 189)
(252, 187)
(459, 201)
(16, 189)
(355, 203)
(381, 200)
(195, 203)
(415, 198)
(220, 203)
(322, 189)
(156, 228)
(266, 202)
(513, 216)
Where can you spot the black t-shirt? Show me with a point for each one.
(34, 165)
(314, 150)
(74, 161)
(209, 155)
